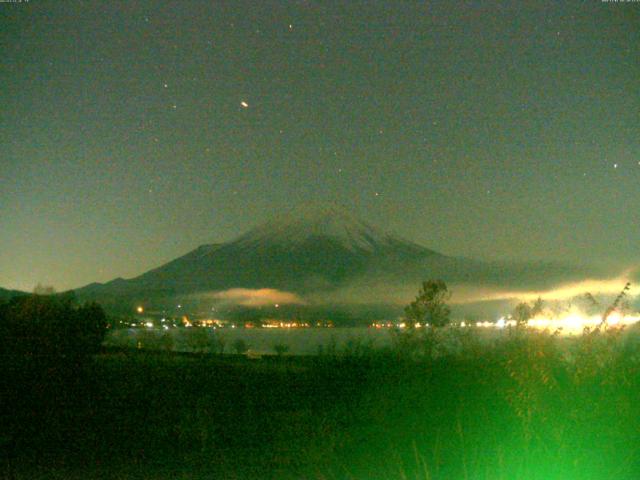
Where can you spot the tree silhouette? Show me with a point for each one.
(430, 305)
(39, 326)
(46, 343)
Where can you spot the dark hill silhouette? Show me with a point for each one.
(5, 295)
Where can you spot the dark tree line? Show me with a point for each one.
(46, 348)
(50, 326)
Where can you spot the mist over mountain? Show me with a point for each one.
(321, 254)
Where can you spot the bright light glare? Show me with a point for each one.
(569, 323)
(575, 323)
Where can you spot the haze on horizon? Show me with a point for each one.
(132, 133)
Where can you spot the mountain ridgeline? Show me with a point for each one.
(313, 251)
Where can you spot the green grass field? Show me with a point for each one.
(528, 407)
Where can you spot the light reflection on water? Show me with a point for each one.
(299, 341)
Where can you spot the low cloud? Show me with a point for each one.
(257, 297)
(465, 297)
(472, 295)
(611, 286)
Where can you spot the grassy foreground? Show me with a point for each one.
(530, 406)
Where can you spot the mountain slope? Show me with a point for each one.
(318, 249)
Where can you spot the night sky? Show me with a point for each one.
(132, 132)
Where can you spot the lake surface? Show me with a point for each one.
(300, 341)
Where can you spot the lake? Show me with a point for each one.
(300, 341)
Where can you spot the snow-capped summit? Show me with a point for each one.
(329, 221)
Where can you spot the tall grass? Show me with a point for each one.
(439, 405)
(532, 405)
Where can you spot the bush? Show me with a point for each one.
(219, 343)
(198, 340)
(280, 349)
(240, 346)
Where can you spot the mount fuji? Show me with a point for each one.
(310, 251)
